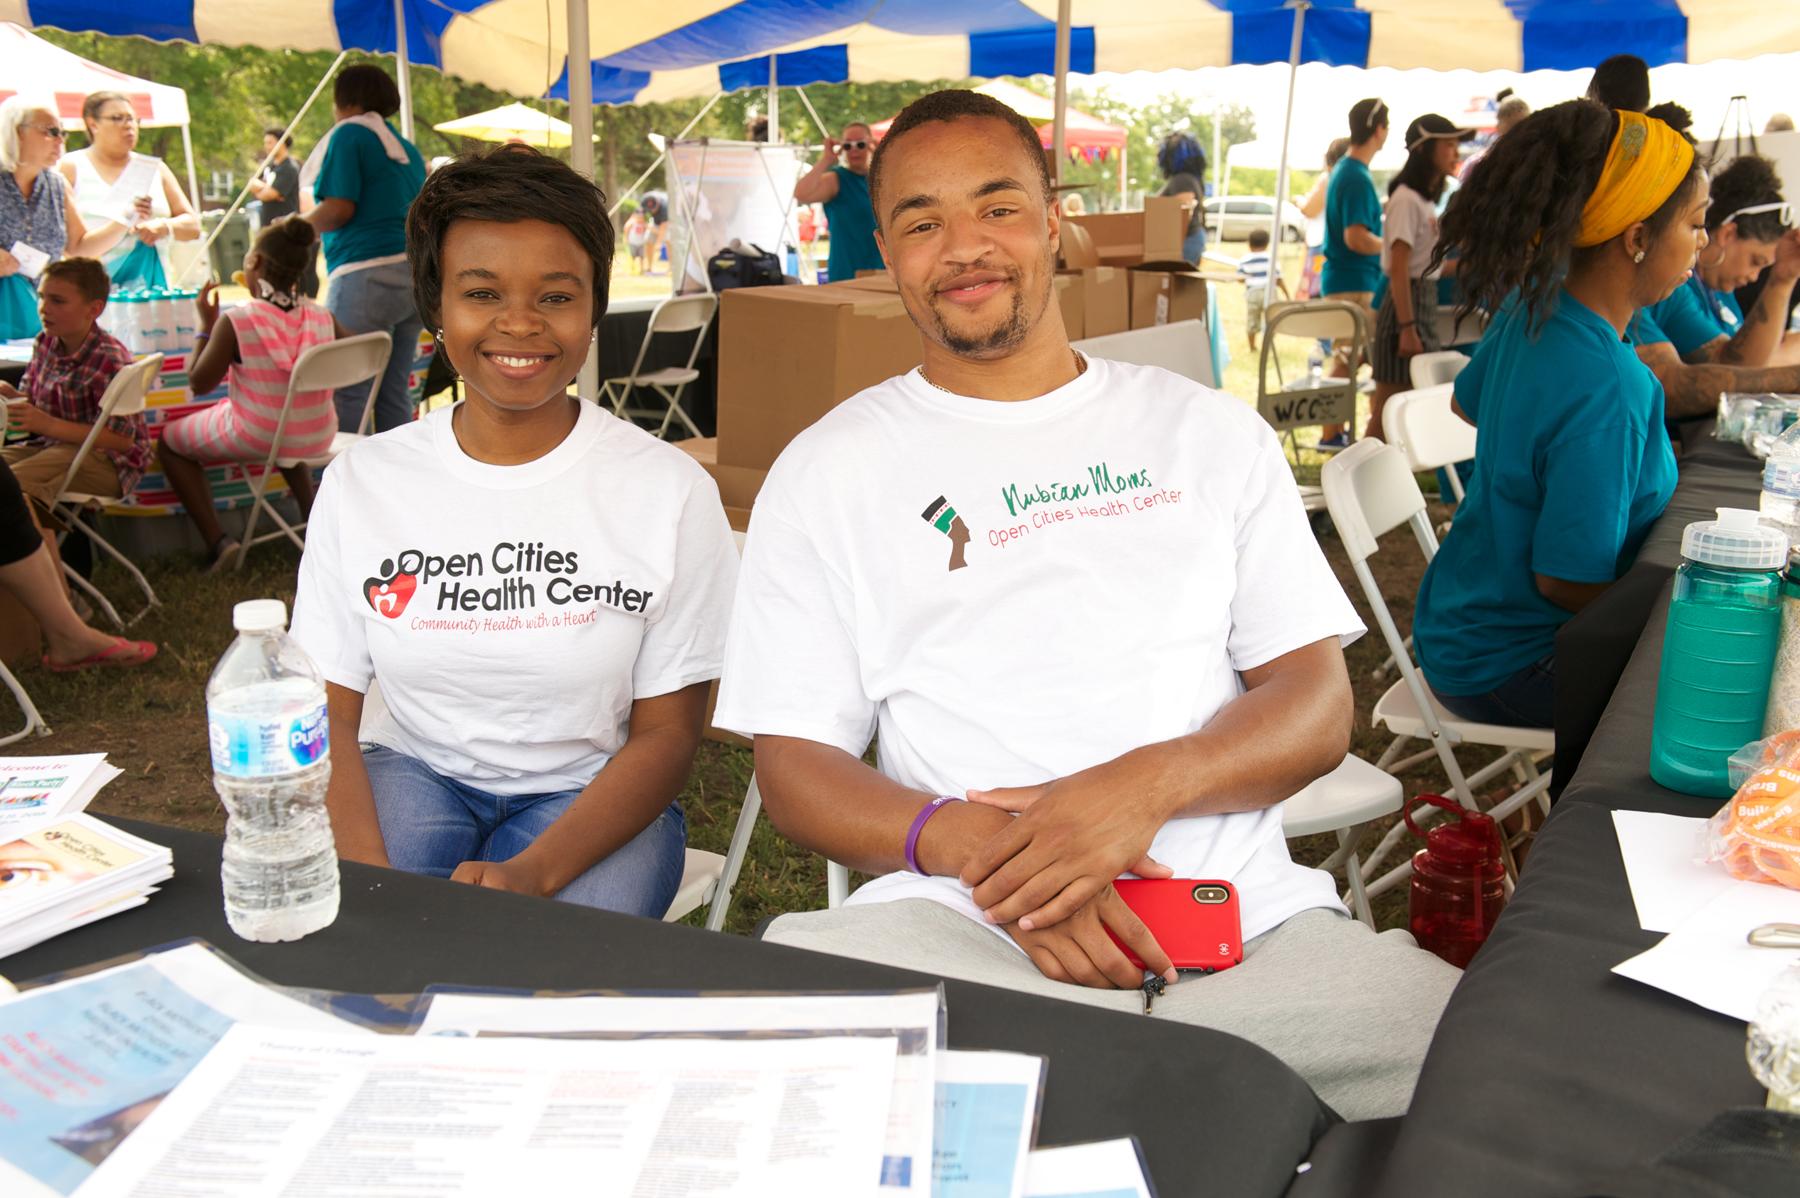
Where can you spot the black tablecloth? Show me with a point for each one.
(1548, 1071)
(1593, 647)
(1212, 1112)
(621, 336)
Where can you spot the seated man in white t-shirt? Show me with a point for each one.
(1082, 595)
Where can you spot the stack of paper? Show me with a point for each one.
(72, 872)
(37, 791)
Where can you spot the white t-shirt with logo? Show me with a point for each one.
(512, 614)
(1012, 592)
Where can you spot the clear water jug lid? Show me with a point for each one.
(259, 615)
(1736, 539)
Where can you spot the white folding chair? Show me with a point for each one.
(124, 397)
(679, 314)
(699, 886)
(1428, 370)
(328, 367)
(1333, 401)
(33, 721)
(1370, 491)
(730, 865)
(1421, 425)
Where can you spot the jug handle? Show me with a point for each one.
(1435, 801)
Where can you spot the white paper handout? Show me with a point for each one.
(142, 176)
(1107, 1169)
(329, 1116)
(71, 872)
(987, 1107)
(1707, 959)
(35, 791)
(914, 1018)
(31, 260)
(106, 1047)
(1668, 884)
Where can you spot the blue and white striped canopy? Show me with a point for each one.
(666, 49)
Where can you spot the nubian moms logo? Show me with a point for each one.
(941, 516)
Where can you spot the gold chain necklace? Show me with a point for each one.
(1080, 369)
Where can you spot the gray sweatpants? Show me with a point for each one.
(1349, 1010)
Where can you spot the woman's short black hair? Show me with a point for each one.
(510, 183)
(1514, 223)
(1748, 182)
(368, 87)
(1623, 82)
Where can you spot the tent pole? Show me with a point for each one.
(187, 148)
(242, 195)
(774, 102)
(812, 112)
(1287, 128)
(1217, 164)
(581, 151)
(1059, 138)
(402, 70)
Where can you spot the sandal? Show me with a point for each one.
(118, 655)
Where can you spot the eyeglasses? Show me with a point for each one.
(121, 118)
(53, 131)
(861, 143)
(1785, 209)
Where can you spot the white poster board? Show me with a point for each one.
(725, 190)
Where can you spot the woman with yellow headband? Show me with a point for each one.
(1574, 221)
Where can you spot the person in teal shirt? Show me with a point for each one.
(367, 176)
(1572, 465)
(843, 187)
(1352, 271)
(1699, 341)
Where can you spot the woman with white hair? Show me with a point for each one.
(38, 221)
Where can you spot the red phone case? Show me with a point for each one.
(1197, 935)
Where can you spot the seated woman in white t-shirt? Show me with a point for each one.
(540, 589)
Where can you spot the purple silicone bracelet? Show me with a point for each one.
(918, 825)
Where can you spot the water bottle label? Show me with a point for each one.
(243, 747)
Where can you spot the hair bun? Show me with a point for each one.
(300, 232)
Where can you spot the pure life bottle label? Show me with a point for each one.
(248, 747)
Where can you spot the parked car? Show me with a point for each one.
(1232, 218)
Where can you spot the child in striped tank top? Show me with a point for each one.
(253, 347)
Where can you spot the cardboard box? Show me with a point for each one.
(1164, 292)
(738, 488)
(788, 355)
(1105, 300)
(1071, 298)
(1128, 238)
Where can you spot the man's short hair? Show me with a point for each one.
(953, 104)
(507, 184)
(281, 135)
(1513, 108)
(1259, 239)
(86, 275)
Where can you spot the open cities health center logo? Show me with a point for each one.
(393, 588)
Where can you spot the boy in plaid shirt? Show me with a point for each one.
(71, 365)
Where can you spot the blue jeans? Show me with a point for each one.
(432, 824)
(1194, 245)
(379, 299)
(1526, 700)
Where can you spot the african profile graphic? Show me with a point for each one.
(941, 516)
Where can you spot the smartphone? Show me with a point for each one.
(1195, 921)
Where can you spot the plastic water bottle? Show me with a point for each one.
(1780, 504)
(1718, 651)
(1315, 369)
(265, 714)
(186, 322)
(1773, 1044)
(125, 308)
(793, 262)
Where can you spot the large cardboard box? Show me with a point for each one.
(788, 355)
(1164, 292)
(1128, 238)
(1106, 300)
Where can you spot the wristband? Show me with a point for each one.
(918, 825)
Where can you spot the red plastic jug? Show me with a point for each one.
(1458, 883)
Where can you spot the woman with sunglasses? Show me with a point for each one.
(1751, 230)
(38, 220)
(112, 182)
(843, 187)
(1699, 341)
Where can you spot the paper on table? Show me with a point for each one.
(31, 259)
(1707, 960)
(1667, 884)
(103, 1050)
(987, 1107)
(1106, 1169)
(913, 1017)
(327, 1116)
(37, 791)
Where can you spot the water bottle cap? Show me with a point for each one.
(259, 615)
(1737, 539)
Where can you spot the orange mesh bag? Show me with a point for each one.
(1757, 833)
